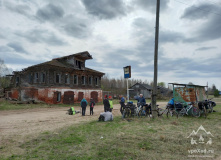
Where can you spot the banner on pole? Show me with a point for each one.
(127, 72)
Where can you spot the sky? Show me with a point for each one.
(117, 33)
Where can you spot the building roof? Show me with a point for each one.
(59, 62)
(81, 55)
(186, 85)
(147, 86)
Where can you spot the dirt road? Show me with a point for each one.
(17, 126)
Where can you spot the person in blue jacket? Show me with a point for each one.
(83, 106)
(122, 105)
(141, 100)
(171, 103)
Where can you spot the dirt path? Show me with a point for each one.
(18, 126)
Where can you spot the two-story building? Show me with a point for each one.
(61, 80)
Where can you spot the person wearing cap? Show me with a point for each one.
(106, 104)
(92, 104)
(111, 103)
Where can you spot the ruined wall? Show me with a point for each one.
(50, 95)
(189, 94)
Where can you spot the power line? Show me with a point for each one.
(198, 8)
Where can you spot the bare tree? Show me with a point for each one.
(4, 80)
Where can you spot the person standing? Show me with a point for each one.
(122, 101)
(83, 106)
(111, 103)
(92, 104)
(141, 100)
(106, 104)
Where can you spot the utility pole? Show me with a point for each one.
(154, 93)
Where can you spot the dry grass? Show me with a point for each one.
(134, 138)
(123, 139)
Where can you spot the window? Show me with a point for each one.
(90, 80)
(42, 77)
(58, 96)
(17, 81)
(78, 64)
(75, 79)
(36, 78)
(96, 81)
(30, 78)
(58, 78)
(83, 80)
(67, 79)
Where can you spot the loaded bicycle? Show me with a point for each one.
(190, 109)
(169, 111)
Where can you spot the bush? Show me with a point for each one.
(216, 93)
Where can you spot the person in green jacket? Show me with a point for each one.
(111, 103)
(73, 111)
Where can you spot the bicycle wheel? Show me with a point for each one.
(195, 112)
(172, 113)
(205, 113)
(210, 109)
(124, 115)
(182, 112)
(140, 113)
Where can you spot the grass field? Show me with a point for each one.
(135, 138)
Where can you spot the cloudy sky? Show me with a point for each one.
(117, 33)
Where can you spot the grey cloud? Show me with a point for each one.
(205, 48)
(199, 12)
(5, 49)
(42, 36)
(105, 9)
(21, 8)
(50, 12)
(150, 5)
(209, 29)
(182, 67)
(17, 47)
(166, 36)
(76, 27)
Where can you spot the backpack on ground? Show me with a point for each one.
(101, 118)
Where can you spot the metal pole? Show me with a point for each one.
(207, 90)
(154, 94)
(127, 91)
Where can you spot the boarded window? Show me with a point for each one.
(75, 79)
(68, 97)
(94, 95)
(80, 96)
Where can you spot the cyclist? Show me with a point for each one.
(122, 105)
(141, 100)
(171, 103)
